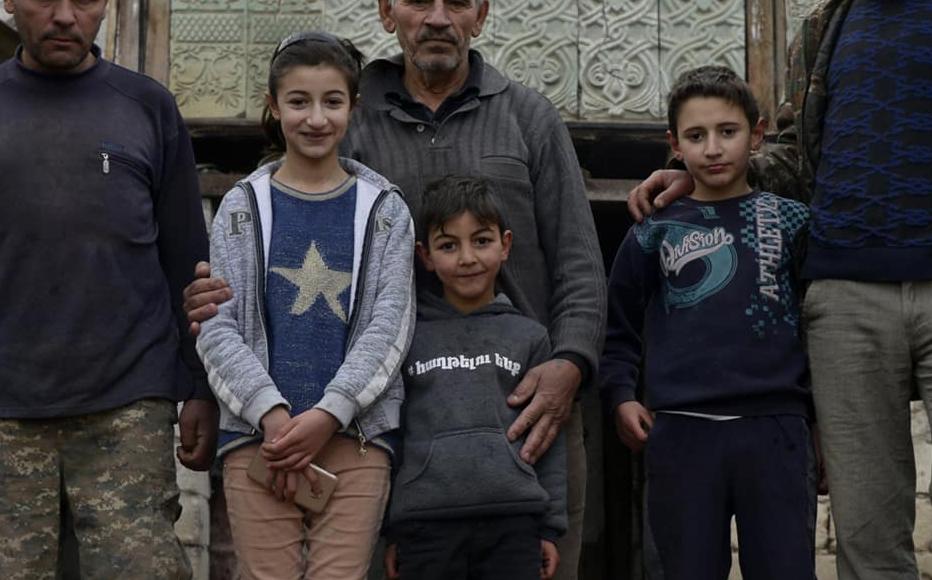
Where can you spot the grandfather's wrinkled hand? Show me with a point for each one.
(661, 188)
(550, 387)
(198, 423)
(203, 296)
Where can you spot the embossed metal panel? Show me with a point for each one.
(220, 51)
(594, 59)
(699, 32)
(619, 59)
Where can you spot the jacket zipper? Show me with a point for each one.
(260, 260)
(108, 158)
(360, 283)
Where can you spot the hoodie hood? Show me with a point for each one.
(431, 307)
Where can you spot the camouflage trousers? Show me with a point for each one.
(117, 472)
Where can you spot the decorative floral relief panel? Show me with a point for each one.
(594, 59)
(699, 32)
(619, 59)
(220, 51)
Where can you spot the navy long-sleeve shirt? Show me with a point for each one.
(100, 228)
(705, 294)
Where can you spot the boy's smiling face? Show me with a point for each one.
(466, 255)
(714, 139)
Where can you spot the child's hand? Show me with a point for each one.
(273, 421)
(391, 562)
(279, 482)
(632, 422)
(299, 440)
(549, 559)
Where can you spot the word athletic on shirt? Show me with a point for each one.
(770, 241)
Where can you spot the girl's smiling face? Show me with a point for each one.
(313, 105)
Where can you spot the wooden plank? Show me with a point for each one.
(780, 50)
(761, 65)
(207, 205)
(127, 34)
(158, 40)
(9, 40)
(214, 184)
(612, 190)
(110, 48)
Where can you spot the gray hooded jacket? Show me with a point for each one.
(366, 393)
(456, 460)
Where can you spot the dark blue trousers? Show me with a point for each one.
(702, 472)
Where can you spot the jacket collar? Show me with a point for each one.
(379, 77)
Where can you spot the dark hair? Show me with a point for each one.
(309, 49)
(451, 196)
(711, 81)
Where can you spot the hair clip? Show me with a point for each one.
(312, 35)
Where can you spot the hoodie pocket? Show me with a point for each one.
(479, 466)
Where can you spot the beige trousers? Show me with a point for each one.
(277, 540)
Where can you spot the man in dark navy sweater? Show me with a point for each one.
(866, 150)
(100, 228)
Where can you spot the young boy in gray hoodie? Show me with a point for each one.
(464, 504)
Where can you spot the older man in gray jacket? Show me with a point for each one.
(438, 109)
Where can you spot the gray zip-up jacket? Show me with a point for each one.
(366, 393)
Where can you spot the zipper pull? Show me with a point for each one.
(105, 165)
(362, 444)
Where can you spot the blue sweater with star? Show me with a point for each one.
(307, 293)
(307, 289)
(704, 295)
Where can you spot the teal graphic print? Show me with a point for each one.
(680, 244)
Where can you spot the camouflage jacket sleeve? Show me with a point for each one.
(787, 166)
(775, 168)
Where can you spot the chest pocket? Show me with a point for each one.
(511, 180)
(125, 187)
(508, 169)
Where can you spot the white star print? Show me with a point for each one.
(315, 279)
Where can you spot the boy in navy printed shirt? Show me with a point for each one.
(705, 294)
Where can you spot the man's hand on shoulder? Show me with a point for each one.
(551, 388)
(198, 424)
(632, 423)
(661, 188)
(203, 296)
